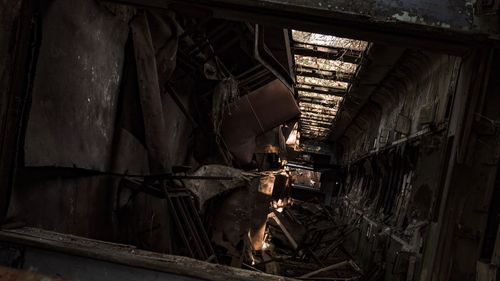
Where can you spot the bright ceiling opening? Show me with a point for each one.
(325, 67)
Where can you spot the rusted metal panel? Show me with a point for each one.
(441, 25)
(255, 114)
(71, 123)
(456, 14)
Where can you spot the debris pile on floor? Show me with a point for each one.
(255, 223)
(304, 241)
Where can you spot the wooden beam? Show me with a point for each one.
(325, 126)
(317, 101)
(446, 29)
(126, 255)
(318, 114)
(331, 93)
(332, 77)
(320, 87)
(315, 106)
(329, 120)
(325, 52)
(315, 128)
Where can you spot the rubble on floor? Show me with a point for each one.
(254, 223)
(304, 241)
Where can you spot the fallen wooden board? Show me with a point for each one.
(128, 255)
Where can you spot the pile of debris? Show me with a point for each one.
(254, 223)
(304, 241)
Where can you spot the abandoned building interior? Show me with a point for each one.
(249, 140)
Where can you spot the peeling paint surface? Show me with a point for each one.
(453, 14)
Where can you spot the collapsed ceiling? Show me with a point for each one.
(325, 67)
(172, 130)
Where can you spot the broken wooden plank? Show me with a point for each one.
(324, 269)
(285, 231)
(33, 238)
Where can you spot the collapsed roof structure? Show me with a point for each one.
(249, 140)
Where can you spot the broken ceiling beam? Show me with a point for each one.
(316, 123)
(302, 70)
(317, 101)
(321, 96)
(309, 134)
(321, 130)
(317, 110)
(328, 268)
(314, 136)
(326, 52)
(330, 114)
(313, 82)
(315, 106)
(315, 129)
(315, 114)
(323, 87)
(440, 25)
(311, 118)
(324, 121)
(289, 236)
(335, 93)
(314, 118)
(304, 125)
(308, 119)
(313, 133)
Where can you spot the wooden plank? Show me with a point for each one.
(325, 52)
(333, 77)
(328, 268)
(331, 93)
(317, 101)
(128, 255)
